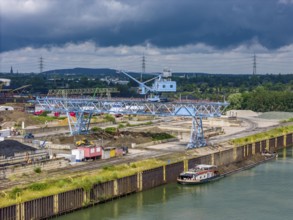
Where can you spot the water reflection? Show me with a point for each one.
(263, 192)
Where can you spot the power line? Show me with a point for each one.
(142, 67)
(254, 65)
(41, 64)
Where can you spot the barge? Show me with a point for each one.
(202, 173)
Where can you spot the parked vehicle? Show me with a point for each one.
(29, 136)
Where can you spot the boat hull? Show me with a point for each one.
(198, 182)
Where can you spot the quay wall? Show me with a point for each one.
(21, 169)
(61, 203)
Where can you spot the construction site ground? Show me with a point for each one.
(245, 124)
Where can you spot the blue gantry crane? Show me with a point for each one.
(81, 107)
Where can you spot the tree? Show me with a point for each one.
(235, 101)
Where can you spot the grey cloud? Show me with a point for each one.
(164, 23)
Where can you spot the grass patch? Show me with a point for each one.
(38, 186)
(134, 125)
(288, 120)
(109, 118)
(111, 130)
(264, 135)
(83, 180)
(121, 126)
(44, 119)
(96, 129)
(161, 136)
(14, 193)
(38, 170)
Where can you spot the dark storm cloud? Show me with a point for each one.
(164, 23)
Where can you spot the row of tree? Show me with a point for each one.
(258, 93)
(262, 100)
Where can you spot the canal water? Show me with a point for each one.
(264, 192)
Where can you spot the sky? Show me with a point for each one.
(214, 36)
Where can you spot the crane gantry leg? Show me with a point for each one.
(78, 124)
(196, 134)
(84, 108)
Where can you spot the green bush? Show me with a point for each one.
(108, 167)
(111, 130)
(44, 114)
(115, 175)
(85, 183)
(96, 129)
(38, 186)
(133, 165)
(14, 193)
(121, 125)
(161, 136)
(38, 170)
(109, 118)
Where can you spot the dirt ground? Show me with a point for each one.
(10, 119)
(123, 138)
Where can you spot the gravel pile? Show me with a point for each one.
(9, 147)
(242, 113)
(276, 115)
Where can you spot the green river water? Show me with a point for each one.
(264, 192)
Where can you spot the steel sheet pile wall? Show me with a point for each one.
(257, 147)
(152, 178)
(194, 161)
(206, 159)
(239, 153)
(173, 170)
(70, 200)
(280, 142)
(263, 145)
(245, 151)
(127, 185)
(217, 158)
(39, 208)
(226, 157)
(8, 213)
(249, 148)
(272, 145)
(289, 139)
(64, 202)
(102, 191)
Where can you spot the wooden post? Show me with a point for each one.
(18, 212)
(185, 164)
(139, 181)
(164, 173)
(212, 158)
(115, 185)
(285, 140)
(235, 153)
(55, 204)
(22, 212)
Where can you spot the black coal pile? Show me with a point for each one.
(9, 147)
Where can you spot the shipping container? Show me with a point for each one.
(106, 153)
(112, 152)
(91, 152)
(119, 152)
(70, 157)
(79, 154)
(5, 133)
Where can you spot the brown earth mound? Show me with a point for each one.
(13, 118)
(123, 138)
